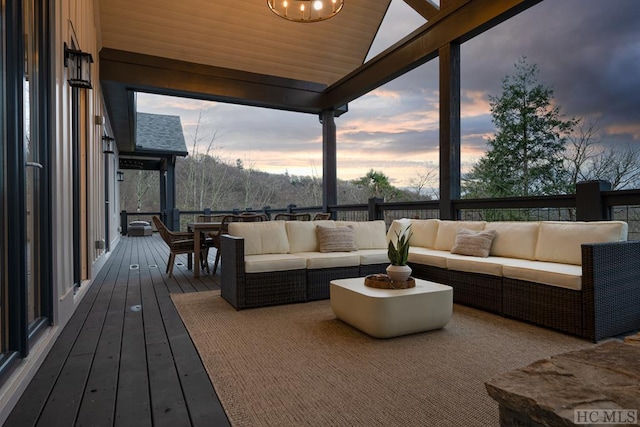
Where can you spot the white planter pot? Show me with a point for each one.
(398, 273)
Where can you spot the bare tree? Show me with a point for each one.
(425, 183)
(587, 158)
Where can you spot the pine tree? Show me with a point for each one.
(525, 156)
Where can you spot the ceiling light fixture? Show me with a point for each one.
(306, 10)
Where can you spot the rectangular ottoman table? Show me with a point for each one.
(385, 313)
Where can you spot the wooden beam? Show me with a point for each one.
(123, 73)
(458, 23)
(424, 7)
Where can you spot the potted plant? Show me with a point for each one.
(398, 253)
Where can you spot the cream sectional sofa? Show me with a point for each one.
(578, 277)
(582, 278)
(278, 262)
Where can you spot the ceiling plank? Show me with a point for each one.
(460, 22)
(424, 7)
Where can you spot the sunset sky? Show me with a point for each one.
(588, 51)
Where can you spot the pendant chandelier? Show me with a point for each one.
(306, 10)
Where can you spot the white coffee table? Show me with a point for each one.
(385, 313)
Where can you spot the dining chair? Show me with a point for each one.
(179, 242)
(224, 228)
(210, 218)
(206, 237)
(253, 216)
(292, 217)
(322, 215)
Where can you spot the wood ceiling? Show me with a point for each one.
(239, 51)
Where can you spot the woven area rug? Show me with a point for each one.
(297, 365)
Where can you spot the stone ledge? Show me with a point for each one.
(548, 391)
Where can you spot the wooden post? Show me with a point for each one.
(449, 129)
(589, 203)
(329, 163)
(374, 211)
(124, 224)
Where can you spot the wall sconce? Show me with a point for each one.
(106, 144)
(120, 176)
(79, 65)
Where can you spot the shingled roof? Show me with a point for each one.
(160, 133)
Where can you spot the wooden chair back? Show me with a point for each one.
(321, 216)
(292, 217)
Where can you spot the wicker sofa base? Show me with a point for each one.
(607, 306)
(477, 290)
(544, 305)
(249, 290)
(318, 280)
(366, 270)
(272, 288)
(549, 306)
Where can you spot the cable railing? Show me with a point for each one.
(614, 205)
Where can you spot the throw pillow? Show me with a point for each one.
(473, 243)
(336, 239)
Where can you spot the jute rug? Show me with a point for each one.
(297, 365)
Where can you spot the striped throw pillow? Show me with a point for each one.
(336, 239)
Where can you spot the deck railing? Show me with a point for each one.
(586, 204)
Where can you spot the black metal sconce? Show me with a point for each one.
(106, 144)
(79, 65)
(120, 176)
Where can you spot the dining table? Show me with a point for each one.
(199, 228)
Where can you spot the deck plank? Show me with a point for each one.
(133, 405)
(98, 403)
(115, 365)
(65, 398)
(167, 399)
(28, 410)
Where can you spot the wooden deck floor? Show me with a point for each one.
(125, 358)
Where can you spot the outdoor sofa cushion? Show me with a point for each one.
(368, 234)
(317, 260)
(261, 237)
(447, 231)
(372, 256)
(491, 266)
(273, 262)
(561, 241)
(302, 235)
(548, 273)
(432, 257)
(423, 232)
(514, 239)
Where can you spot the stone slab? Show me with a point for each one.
(547, 392)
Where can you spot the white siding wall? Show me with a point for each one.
(69, 15)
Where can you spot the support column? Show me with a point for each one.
(163, 192)
(174, 220)
(449, 129)
(329, 160)
(589, 203)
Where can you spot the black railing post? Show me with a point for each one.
(207, 211)
(589, 203)
(374, 209)
(123, 223)
(174, 220)
(290, 207)
(267, 211)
